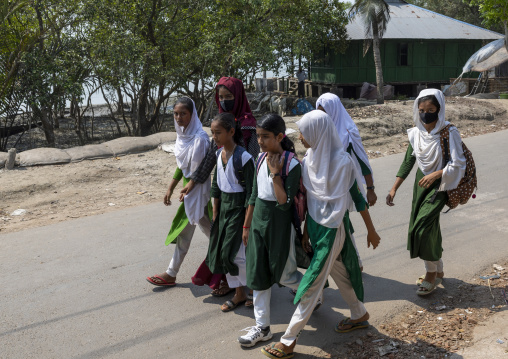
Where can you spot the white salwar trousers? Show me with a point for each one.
(434, 266)
(240, 280)
(183, 243)
(290, 278)
(336, 269)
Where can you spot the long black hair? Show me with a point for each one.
(275, 124)
(186, 102)
(433, 100)
(227, 121)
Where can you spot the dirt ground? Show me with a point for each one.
(467, 321)
(51, 194)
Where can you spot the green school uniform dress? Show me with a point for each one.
(180, 220)
(227, 229)
(424, 235)
(322, 239)
(268, 245)
(363, 166)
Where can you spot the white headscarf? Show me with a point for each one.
(346, 128)
(427, 146)
(191, 147)
(328, 171)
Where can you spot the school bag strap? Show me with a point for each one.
(238, 165)
(259, 161)
(300, 199)
(288, 157)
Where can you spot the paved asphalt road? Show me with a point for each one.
(77, 289)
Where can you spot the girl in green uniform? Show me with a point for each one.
(352, 144)
(231, 190)
(332, 183)
(191, 145)
(433, 179)
(268, 232)
(350, 138)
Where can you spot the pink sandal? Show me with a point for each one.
(162, 283)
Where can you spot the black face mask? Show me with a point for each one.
(228, 105)
(428, 117)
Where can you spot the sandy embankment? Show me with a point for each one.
(56, 193)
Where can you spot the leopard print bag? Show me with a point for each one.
(468, 183)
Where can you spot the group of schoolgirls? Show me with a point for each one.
(250, 224)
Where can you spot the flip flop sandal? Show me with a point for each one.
(231, 305)
(270, 355)
(429, 287)
(163, 283)
(354, 326)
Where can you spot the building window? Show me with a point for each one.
(435, 53)
(402, 54)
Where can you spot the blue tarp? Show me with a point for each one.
(302, 107)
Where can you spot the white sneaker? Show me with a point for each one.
(254, 335)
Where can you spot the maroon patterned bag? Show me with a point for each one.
(468, 183)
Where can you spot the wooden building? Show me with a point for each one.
(420, 48)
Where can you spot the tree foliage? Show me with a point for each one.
(494, 13)
(140, 52)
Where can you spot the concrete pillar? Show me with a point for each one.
(419, 88)
(11, 159)
(308, 89)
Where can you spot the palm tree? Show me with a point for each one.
(375, 15)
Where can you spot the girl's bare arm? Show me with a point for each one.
(169, 193)
(372, 236)
(246, 224)
(393, 191)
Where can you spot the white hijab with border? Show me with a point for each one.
(328, 171)
(427, 146)
(191, 147)
(346, 127)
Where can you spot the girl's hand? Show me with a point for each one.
(274, 162)
(306, 243)
(185, 191)
(428, 180)
(245, 236)
(390, 197)
(373, 238)
(371, 197)
(167, 197)
(215, 214)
